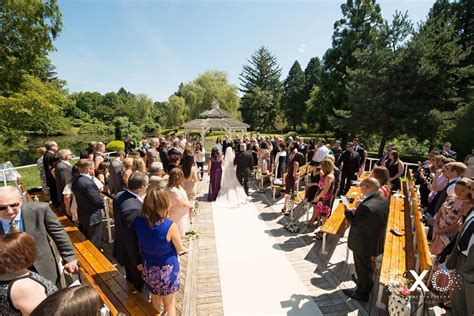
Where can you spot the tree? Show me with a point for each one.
(144, 106)
(293, 100)
(312, 75)
(355, 31)
(28, 29)
(36, 107)
(261, 79)
(174, 112)
(206, 88)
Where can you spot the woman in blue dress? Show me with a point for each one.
(160, 244)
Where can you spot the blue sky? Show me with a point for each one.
(151, 46)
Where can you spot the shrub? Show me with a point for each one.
(115, 145)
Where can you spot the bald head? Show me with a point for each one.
(369, 186)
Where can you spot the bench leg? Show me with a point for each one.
(274, 192)
(323, 248)
(347, 254)
(379, 303)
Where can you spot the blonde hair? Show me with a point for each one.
(156, 206)
(327, 166)
(127, 163)
(139, 165)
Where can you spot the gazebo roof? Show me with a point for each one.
(215, 118)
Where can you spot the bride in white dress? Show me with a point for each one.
(231, 194)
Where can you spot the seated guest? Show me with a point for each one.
(20, 289)
(77, 300)
(160, 243)
(180, 207)
(127, 206)
(447, 152)
(157, 176)
(39, 221)
(89, 202)
(382, 176)
(366, 235)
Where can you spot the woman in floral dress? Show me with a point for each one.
(160, 244)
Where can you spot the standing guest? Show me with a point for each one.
(77, 300)
(264, 158)
(39, 221)
(447, 152)
(255, 150)
(311, 148)
(20, 290)
(69, 199)
(139, 165)
(395, 169)
(102, 174)
(321, 152)
(367, 235)
(382, 176)
(144, 147)
(301, 145)
(41, 151)
(337, 150)
(129, 144)
(127, 171)
(424, 177)
(291, 175)
(244, 162)
(200, 158)
(275, 141)
(174, 157)
(453, 171)
(280, 165)
(190, 172)
(89, 152)
(63, 172)
(362, 154)
(160, 245)
(227, 143)
(49, 160)
(181, 209)
(220, 145)
(89, 203)
(214, 169)
(322, 200)
(152, 154)
(389, 148)
(469, 162)
(157, 176)
(99, 155)
(116, 183)
(350, 168)
(127, 206)
(164, 154)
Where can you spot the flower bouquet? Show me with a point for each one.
(197, 208)
(191, 235)
(399, 300)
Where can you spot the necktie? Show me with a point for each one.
(13, 227)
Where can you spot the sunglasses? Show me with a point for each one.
(4, 207)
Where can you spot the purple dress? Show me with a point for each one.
(215, 183)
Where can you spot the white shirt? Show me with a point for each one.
(140, 198)
(450, 189)
(321, 153)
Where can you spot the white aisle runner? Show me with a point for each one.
(256, 279)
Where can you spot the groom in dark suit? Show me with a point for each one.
(38, 220)
(244, 162)
(127, 207)
(89, 203)
(367, 235)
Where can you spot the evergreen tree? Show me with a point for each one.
(293, 100)
(312, 74)
(261, 78)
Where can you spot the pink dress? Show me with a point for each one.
(323, 207)
(179, 211)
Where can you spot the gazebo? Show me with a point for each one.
(215, 118)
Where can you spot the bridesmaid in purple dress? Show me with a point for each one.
(215, 171)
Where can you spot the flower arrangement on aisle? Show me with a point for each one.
(292, 226)
(197, 208)
(400, 294)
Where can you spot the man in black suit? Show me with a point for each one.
(63, 172)
(367, 235)
(127, 206)
(447, 152)
(361, 151)
(164, 154)
(227, 143)
(89, 202)
(244, 162)
(39, 221)
(49, 160)
(350, 168)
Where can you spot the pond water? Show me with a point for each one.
(76, 143)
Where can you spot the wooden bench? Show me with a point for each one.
(302, 171)
(278, 186)
(336, 224)
(113, 288)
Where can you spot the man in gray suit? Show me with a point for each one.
(63, 172)
(39, 221)
(116, 183)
